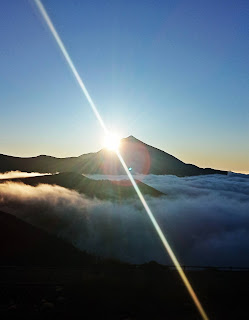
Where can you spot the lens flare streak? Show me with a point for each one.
(164, 240)
(141, 197)
(69, 61)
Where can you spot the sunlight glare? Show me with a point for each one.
(112, 142)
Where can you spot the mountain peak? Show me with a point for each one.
(131, 138)
(139, 156)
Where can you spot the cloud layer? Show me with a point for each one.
(205, 219)
(20, 174)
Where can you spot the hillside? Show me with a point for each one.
(24, 244)
(102, 189)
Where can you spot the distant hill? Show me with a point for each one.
(102, 189)
(139, 157)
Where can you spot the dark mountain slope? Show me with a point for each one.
(24, 244)
(147, 159)
(42, 164)
(140, 157)
(102, 189)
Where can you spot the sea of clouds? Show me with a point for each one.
(205, 219)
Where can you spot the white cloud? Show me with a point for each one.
(20, 174)
(205, 218)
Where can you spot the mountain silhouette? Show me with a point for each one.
(139, 157)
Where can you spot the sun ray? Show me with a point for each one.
(146, 207)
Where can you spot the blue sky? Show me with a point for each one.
(172, 73)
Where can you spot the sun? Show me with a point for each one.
(112, 142)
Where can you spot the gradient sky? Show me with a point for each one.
(172, 73)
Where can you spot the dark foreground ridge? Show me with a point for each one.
(140, 157)
(102, 189)
(24, 244)
(41, 275)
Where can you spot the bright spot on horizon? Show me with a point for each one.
(112, 142)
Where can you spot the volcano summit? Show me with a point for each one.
(139, 157)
